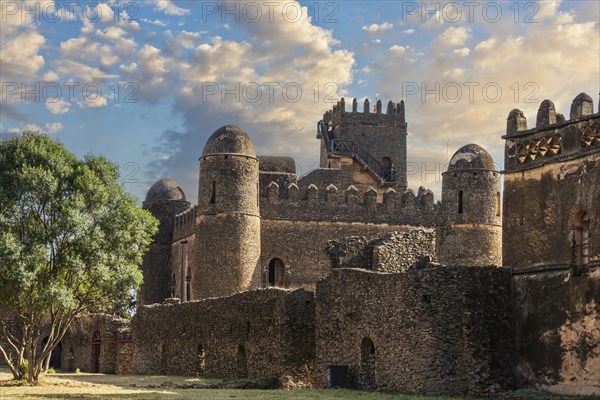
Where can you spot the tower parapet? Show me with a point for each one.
(376, 140)
(553, 138)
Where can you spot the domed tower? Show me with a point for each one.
(228, 236)
(471, 230)
(164, 200)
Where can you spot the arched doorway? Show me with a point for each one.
(96, 346)
(581, 241)
(388, 169)
(242, 362)
(367, 363)
(276, 271)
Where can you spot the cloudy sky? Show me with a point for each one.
(145, 83)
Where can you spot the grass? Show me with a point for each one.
(155, 387)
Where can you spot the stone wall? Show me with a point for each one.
(303, 246)
(254, 333)
(394, 252)
(111, 355)
(440, 330)
(332, 203)
(558, 330)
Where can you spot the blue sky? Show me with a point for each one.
(151, 80)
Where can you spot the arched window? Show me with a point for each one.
(367, 363)
(276, 271)
(188, 285)
(581, 241)
(96, 347)
(213, 192)
(460, 202)
(388, 169)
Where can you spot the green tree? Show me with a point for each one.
(71, 241)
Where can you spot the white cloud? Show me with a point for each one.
(462, 52)
(187, 39)
(156, 22)
(57, 106)
(95, 102)
(452, 37)
(397, 50)
(169, 8)
(53, 127)
(409, 31)
(375, 28)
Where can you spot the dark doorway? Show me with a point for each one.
(96, 346)
(338, 376)
(242, 362)
(55, 356)
(276, 270)
(367, 364)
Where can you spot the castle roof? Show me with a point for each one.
(165, 190)
(231, 140)
(471, 156)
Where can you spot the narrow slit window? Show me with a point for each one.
(460, 202)
(497, 204)
(213, 192)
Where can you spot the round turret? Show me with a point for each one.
(471, 232)
(165, 190)
(165, 199)
(229, 139)
(228, 238)
(471, 157)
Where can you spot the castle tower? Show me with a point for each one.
(471, 231)
(228, 235)
(376, 140)
(164, 200)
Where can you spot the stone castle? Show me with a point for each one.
(346, 277)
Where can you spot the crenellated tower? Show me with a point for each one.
(228, 219)
(471, 229)
(376, 140)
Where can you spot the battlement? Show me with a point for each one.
(394, 115)
(349, 204)
(554, 138)
(185, 223)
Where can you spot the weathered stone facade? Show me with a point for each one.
(442, 330)
(255, 333)
(384, 313)
(394, 252)
(98, 343)
(551, 231)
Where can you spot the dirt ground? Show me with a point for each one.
(149, 387)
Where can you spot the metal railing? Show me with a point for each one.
(341, 146)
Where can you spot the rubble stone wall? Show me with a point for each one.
(440, 330)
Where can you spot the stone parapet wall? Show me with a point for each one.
(349, 204)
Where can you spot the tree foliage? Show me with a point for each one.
(71, 241)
